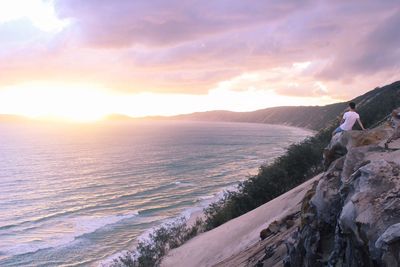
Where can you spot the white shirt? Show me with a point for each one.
(350, 118)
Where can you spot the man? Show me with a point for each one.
(396, 125)
(349, 118)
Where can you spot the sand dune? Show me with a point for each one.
(217, 246)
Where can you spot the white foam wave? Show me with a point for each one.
(36, 245)
(206, 197)
(73, 228)
(178, 183)
(86, 225)
(186, 214)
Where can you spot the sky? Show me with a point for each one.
(83, 60)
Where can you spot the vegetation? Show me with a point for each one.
(149, 251)
(300, 162)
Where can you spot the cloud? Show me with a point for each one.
(159, 23)
(375, 51)
(193, 46)
(14, 32)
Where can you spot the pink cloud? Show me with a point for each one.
(191, 46)
(160, 23)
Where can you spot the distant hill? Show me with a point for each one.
(372, 104)
(312, 117)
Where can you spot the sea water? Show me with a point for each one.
(74, 195)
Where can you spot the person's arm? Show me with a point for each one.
(343, 119)
(361, 125)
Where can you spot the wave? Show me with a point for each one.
(82, 226)
(89, 207)
(206, 197)
(86, 225)
(183, 183)
(47, 217)
(187, 214)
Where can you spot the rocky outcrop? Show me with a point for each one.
(342, 142)
(353, 217)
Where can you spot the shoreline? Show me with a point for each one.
(190, 215)
(193, 213)
(247, 122)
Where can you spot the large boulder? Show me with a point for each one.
(342, 142)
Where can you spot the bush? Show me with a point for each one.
(149, 252)
(301, 162)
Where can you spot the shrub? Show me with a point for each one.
(300, 162)
(149, 252)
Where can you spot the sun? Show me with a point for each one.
(79, 103)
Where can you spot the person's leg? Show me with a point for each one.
(337, 130)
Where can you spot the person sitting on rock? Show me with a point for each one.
(348, 120)
(396, 125)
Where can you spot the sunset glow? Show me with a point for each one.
(77, 103)
(62, 59)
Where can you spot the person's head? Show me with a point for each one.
(352, 105)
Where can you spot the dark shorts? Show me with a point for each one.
(338, 130)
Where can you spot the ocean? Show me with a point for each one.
(75, 195)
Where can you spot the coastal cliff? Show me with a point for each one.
(349, 215)
(274, 218)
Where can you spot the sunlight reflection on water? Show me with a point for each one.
(70, 196)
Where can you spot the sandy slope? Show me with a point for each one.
(237, 235)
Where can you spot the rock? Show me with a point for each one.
(289, 223)
(351, 218)
(394, 145)
(278, 226)
(392, 234)
(327, 199)
(274, 227)
(269, 251)
(343, 141)
(265, 233)
(389, 243)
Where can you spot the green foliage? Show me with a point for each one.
(300, 162)
(381, 105)
(150, 251)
